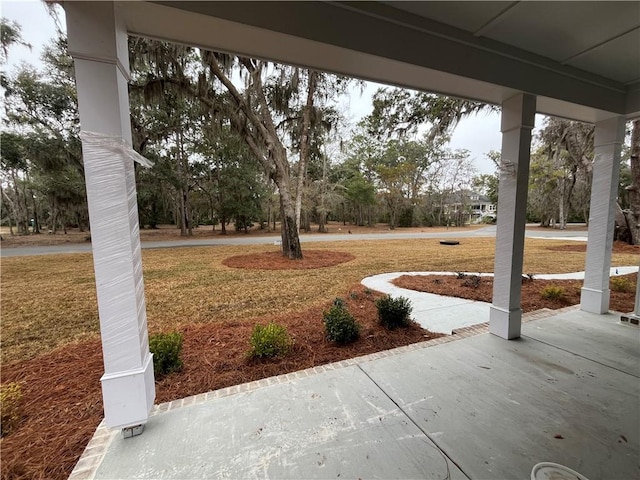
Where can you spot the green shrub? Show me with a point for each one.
(270, 340)
(339, 302)
(552, 293)
(367, 291)
(10, 396)
(340, 326)
(166, 349)
(622, 284)
(353, 295)
(394, 312)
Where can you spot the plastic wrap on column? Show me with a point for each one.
(105, 145)
(116, 249)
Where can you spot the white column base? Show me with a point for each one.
(504, 323)
(594, 301)
(128, 396)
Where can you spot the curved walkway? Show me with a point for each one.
(441, 314)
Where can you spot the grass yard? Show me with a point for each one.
(48, 301)
(50, 332)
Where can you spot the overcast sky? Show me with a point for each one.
(478, 134)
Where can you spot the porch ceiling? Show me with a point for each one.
(582, 59)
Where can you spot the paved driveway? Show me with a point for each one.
(488, 231)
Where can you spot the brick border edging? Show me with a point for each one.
(93, 454)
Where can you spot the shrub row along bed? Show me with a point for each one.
(536, 294)
(61, 403)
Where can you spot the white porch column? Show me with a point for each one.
(609, 136)
(518, 116)
(98, 44)
(634, 317)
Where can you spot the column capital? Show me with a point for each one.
(610, 131)
(96, 32)
(518, 111)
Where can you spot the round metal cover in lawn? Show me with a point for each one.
(449, 242)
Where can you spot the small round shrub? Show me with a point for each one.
(622, 284)
(394, 312)
(340, 326)
(166, 349)
(270, 340)
(339, 302)
(10, 396)
(552, 292)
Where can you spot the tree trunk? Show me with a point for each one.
(182, 216)
(264, 142)
(305, 141)
(183, 172)
(53, 222)
(19, 208)
(621, 232)
(322, 222)
(561, 216)
(306, 222)
(633, 214)
(25, 207)
(36, 223)
(12, 209)
(289, 232)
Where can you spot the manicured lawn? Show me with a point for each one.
(50, 300)
(213, 296)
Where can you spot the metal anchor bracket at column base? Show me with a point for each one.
(630, 319)
(132, 431)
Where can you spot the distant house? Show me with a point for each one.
(470, 206)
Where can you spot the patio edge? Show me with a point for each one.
(94, 453)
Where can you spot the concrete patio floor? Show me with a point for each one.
(469, 406)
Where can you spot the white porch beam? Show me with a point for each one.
(518, 117)
(98, 44)
(609, 136)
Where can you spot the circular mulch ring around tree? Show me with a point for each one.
(275, 260)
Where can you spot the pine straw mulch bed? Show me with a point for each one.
(62, 403)
(618, 247)
(531, 300)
